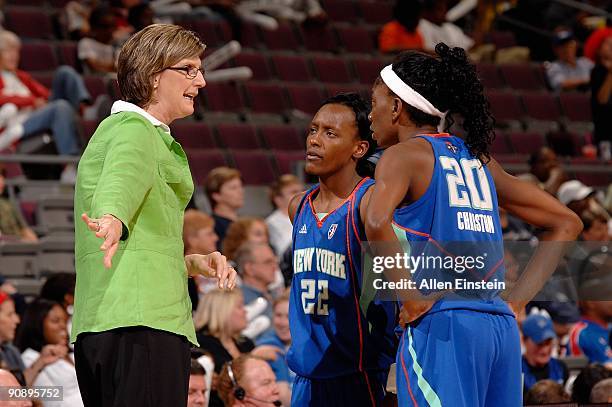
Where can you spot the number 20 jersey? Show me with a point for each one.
(332, 334)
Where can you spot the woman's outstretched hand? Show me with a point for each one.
(108, 228)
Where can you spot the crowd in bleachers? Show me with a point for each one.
(550, 90)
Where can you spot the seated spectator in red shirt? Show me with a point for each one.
(401, 33)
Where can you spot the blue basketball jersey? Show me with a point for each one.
(456, 219)
(333, 333)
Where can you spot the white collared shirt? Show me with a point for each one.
(123, 106)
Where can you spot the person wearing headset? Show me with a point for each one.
(248, 381)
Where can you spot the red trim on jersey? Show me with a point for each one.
(414, 232)
(352, 208)
(354, 285)
(314, 212)
(406, 371)
(437, 135)
(574, 346)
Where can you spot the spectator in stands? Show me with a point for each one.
(602, 392)
(601, 92)
(37, 108)
(199, 237)
(278, 222)
(595, 227)
(568, 72)
(197, 385)
(59, 288)
(246, 229)
(564, 315)
(590, 336)
(96, 51)
(586, 380)
(267, 13)
(44, 323)
(141, 16)
(225, 193)
(579, 198)
(539, 336)
(281, 338)
(250, 383)
(257, 266)
(545, 170)
(7, 379)
(401, 33)
(219, 319)
(12, 223)
(546, 392)
(434, 28)
(75, 17)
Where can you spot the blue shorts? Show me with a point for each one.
(460, 358)
(356, 390)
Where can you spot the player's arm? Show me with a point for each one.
(536, 207)
(293, 204)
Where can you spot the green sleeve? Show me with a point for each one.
(128, 171)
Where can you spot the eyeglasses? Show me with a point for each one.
(190, 71)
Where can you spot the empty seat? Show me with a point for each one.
(331, 69)
(522, 76)
(96, 86)
(306, 98)
(595, 179)
(255, 167)
(376, 12)
(526, 142)
(282, 137)
(238, 136)
(541, 106)
(68, 54)
(367, 70)
(576, 106)
(341, 10)
(319, 38)
(37, 57)
(29, 23)
(502, 39)
(55, 214)
(291, 68)
(201, 162)
(222, 97)
(284, 37)
(265, 98)
(356, 39)
(57, 255)
(257, 62)
(489, 75)
(193, 135)
(19, 259)
(500, 144)
(250, 37)
(88, 128)
(566, 143)
(207, 30)
(505, 106)
(289, 161)
(46, 79)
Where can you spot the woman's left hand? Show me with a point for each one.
(213, 265)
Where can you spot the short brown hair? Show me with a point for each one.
(283, 181)
(546, 392)
(216, 178)
(237, 234)
(195, 220)
(150, 51)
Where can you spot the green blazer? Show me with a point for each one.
(134, 170)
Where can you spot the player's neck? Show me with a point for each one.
(595, 318)
(407, 132)
(338, 185)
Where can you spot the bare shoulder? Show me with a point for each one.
(293, 204)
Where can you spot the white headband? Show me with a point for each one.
(409, 95)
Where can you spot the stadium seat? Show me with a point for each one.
(576, 106)
(595, 179)
(193, 135)
(500, 144)
(367, 70)
(376, 12)
(88, 128)
(257, 62)
(306, 98)
(489, 75)
(38, 56)
(68, 54)
(522, 76)
(250, 35)
(292, 68)
(356, 39)
(29, 23)
(222, 97)
(282, 137)
(19, 259)
(286, 161)
(341, 10)
(255, 167)
(331, 70)
(238, 136)
(502, 39)
(319, 38)
(55, 214)
(565, 143)
(45, 79)
(505, 107)
(541, 106)
(202, 161)
(96, 86)
(57, 255)
(526, 142)
(283, 38)
(207, 30)
(265, 98)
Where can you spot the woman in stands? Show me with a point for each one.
(462, 350)
(134, 181)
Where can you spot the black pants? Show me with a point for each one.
(135, 366)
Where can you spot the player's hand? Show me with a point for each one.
(52, 353)
(266, 352)
(213, 265)
(108, 228)
(417, 305)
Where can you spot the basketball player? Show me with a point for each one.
(341, 350)
(463, 350)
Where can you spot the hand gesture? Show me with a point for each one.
(213, 265)
(51, 353)
(108, 228)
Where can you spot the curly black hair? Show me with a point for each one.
(450, 83)
(361, 109)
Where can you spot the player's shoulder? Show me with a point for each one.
(294, 202)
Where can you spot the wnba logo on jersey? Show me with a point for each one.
(331, 231)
